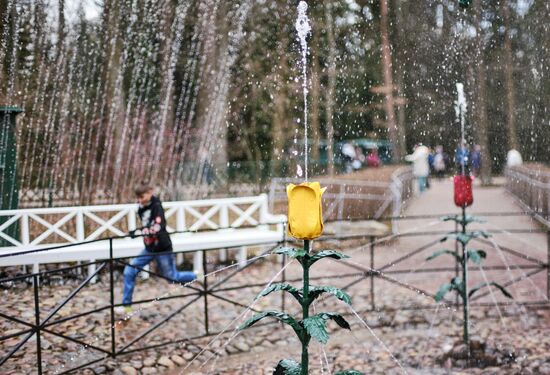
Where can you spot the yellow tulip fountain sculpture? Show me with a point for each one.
(305, 222)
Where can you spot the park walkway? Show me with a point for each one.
(418, 336)
(518, 232)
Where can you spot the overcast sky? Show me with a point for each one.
(71, 6)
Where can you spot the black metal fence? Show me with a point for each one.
(205, 292)
(40, 325)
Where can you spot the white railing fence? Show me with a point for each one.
(531, 188)
(40, 228)
(62, 225)
(347, 199)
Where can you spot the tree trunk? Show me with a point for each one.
(329, 99)
(388, 81)
(60, 27)
(510, 89)
(280, 124)
(278, 130)
(171, 26)
(481, 125)
(315, 97)
(4, 32)
(401, 130)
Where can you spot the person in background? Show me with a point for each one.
(431, 159)
(157, 246)
(348, 152)
(359, 159)
(513, 158)
(439, 162)
(373, 160)
(476, 160)
(462, 159)
(421, 167)
(431, 165)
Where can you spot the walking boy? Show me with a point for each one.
(156, 240)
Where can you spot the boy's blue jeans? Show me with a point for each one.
(167, 268)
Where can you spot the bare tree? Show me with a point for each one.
(480, 105)
(509, 73)
(331, 88)
(399, 73)
(315, 97)
(388, 81)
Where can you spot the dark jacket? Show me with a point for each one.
(153, 225)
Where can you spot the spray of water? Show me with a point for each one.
(378, 339)
(303, 28)
(83, 351)
(493, 298)
(525, 276)
(460, 110)
(238, 319)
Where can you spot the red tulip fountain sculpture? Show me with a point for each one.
(463, 198)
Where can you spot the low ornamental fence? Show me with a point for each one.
(40, 325)
(203, 294)
(355, 199)
(531, 188)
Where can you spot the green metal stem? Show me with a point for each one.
(305, 313)
(465, 285)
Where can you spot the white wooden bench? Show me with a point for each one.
(207, 224)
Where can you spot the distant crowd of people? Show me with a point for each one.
(427, 162)
(355, 159)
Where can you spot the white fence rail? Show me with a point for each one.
(29, 229)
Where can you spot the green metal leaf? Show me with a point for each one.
(290, 251)
(457, 284)
(476, 256)
(316, 291)
(449, 235)
(464, 238)
(444, 289)
(281, 316)
(315, 325)
(450, 217)
(285, 287)
(498, 286)
(468, 219)
(288, 367)
(349, 372)
(327, 254)
(474, 219)
(441, 252)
